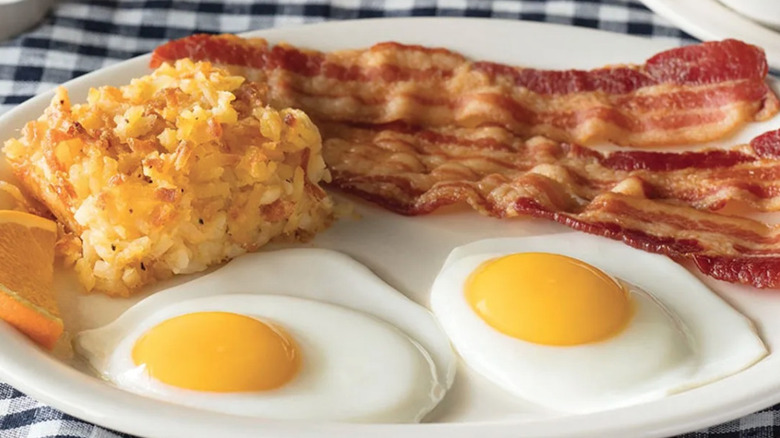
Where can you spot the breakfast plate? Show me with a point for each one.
(407, 253)
(712, 20)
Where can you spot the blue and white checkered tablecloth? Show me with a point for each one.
(81, 36)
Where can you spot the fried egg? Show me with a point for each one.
(579, 324)
(299, 334)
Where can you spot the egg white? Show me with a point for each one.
(369, 354)
(681, 336)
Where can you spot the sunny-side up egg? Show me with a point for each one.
(305, 334)
(578, 323)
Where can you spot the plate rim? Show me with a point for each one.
(39, 366)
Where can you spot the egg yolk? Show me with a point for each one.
(548, 299)
(219, 352)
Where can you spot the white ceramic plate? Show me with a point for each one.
(18, 15)
(407, 252)
(712, 20)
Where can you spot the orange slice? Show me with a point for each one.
(26, 276)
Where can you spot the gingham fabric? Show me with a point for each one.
(79, 37)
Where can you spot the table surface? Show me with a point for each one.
(81, 36)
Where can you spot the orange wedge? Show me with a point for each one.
(26, 276)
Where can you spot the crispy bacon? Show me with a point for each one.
(733, 249)
(645, 199)
(685, 95)
(406, 169)
(729, 248)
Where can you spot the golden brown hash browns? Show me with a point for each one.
(178, 170)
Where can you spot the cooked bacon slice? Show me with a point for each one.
(646, 199)
(729, 248)
(413, 171)
(686, 95)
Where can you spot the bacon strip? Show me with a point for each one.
(412, 171)
(642, 198)
(728, 248)
(686, 95)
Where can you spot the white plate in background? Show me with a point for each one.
(766, 12)
(407, 252)
(17, 16)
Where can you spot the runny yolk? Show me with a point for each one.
(217, 351)
(548, 299)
